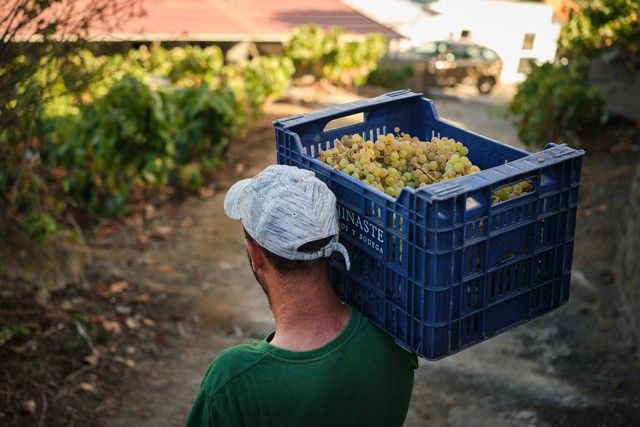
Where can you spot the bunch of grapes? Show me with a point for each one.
(510, 191)
(395, 161)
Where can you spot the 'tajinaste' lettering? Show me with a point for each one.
(360, 223)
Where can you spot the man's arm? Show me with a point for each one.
(214, 409)
(201, 414)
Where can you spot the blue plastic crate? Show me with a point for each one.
(442, 268)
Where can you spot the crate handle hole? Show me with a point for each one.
(472, 203)
(344, 121)
(517, 189)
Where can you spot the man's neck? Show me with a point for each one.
(307, 312)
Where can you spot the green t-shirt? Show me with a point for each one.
(360, 378)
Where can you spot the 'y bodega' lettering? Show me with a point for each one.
(361, 228)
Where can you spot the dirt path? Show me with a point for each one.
(567, 368)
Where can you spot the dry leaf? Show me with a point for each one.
(123, 309)
(29, 406)
(135, 222)
(88, 387)
(104, 231)
(166, 269)
(148, 322)
(95, 319)
(111, 326)
(128, 362)
(143, 237)
(131, 323)
(103, 292)
(118, 286)
(162, 231)
(149, 211)
(92, 359)
(142, 298)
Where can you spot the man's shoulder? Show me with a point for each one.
(381, 343)
(230, 364)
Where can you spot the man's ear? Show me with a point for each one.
(256, 255)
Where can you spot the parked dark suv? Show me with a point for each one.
(447, 63)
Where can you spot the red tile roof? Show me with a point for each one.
(254, 20)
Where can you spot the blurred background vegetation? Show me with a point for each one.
(557, 102)
(80, 132)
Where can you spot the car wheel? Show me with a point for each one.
(486, 84)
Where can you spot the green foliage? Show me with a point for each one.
(102, 128)
(186, 66)
(190, 176)
(392, 76)
(11, 331)
(79, 132)
(39, 225)
(310, 47)
(118, 140)
(556, 104)
(326, 54)
(611, 26)
(202, 121)
(266, 78)
(262, 79)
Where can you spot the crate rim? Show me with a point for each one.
(438, 191)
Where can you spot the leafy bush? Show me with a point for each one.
(556, 104)
(326, 54)
(136, 136)
(12, 331)
(262, 79)
(608, 25)
(79, 132)
(310, 47)
(118, 140)
(106, 125)
(392, 76)
(202, 121)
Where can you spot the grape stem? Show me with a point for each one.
(424, 171)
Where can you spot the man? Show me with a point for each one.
(325, 365)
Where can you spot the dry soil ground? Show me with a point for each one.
(572, 367)
(568, 368)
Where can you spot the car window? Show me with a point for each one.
(460, 52)
(489, 55)
(429, 49)
(473, 52)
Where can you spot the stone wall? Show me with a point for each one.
(620, 87)
(627, 267)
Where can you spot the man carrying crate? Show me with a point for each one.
(325, 364)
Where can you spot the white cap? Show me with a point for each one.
(284, 207)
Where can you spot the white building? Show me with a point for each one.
(516, 30)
